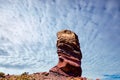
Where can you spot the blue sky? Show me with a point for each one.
(28, 35)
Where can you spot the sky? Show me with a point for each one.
(28, 35)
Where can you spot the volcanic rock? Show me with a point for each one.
(69, 53)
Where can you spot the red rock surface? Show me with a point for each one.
(69, 53)
(42, 76)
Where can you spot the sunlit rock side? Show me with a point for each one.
(69, 53)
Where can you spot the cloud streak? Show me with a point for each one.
(28, 34)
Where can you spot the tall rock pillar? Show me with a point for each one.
(69, 53)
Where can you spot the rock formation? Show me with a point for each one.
(68, 67)
(69, 53)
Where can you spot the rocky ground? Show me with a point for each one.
(41, 76)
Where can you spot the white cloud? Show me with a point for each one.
(28, 34)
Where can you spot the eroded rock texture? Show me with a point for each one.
(69, 53)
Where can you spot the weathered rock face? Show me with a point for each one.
(69, 53)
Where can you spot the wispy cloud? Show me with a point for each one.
(28, 34)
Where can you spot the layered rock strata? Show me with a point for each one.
(69, 53)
